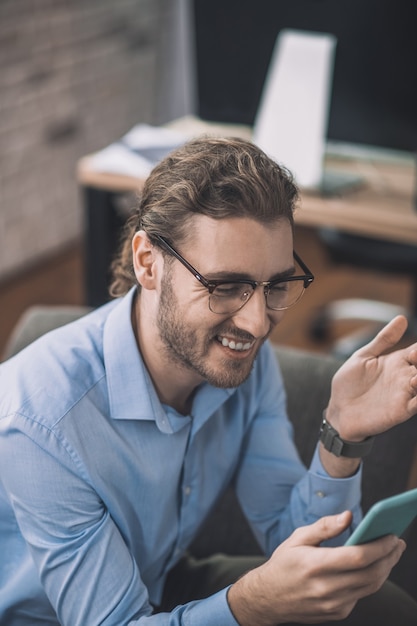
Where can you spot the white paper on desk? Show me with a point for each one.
(137, 152)
(145, 135)
(151, 142)
(117, 159)
(291, 121)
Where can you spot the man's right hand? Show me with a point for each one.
(303, 582)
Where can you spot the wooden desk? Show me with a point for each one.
(383, 207)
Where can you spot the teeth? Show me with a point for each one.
(235, 346)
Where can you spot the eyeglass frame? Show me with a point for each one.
(211, 285)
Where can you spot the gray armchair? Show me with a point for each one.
(307, 377)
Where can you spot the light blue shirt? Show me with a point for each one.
(102, 487)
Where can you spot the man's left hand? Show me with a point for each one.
(376, 388)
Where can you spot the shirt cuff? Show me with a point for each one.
(330, 495)
(211, 611)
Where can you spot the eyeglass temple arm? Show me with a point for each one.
(181, 259)
(307, 272)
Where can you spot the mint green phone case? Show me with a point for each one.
(391, 516)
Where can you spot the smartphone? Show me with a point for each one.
(391, 516)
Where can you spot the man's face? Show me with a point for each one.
(217, 348)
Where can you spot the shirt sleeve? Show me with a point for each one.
(84, 565)
(277, 492)
(211, 611)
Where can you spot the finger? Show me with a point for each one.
(385, 549)
(413, 385)
(412, 356)
(387, 338)
(373, 563)
(325, 528)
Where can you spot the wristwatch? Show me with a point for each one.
(332, 442)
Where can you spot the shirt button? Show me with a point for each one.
(187, 490)
(320, 494)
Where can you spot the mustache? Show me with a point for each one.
(236, 333)
(239, 334)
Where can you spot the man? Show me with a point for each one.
(119, 431)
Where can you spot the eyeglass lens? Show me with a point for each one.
(230, 297)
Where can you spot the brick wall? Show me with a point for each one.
(74, 76)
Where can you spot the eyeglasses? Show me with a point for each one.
(227, 297)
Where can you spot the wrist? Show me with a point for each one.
(245, 601)
(334, 443)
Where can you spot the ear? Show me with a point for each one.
(144, 260)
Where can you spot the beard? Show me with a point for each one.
(185, 348)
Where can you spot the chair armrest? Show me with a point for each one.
(38, 320)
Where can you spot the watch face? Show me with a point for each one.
(330, 438)
(337, 446)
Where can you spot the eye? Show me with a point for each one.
(232, 290)
(280, 287)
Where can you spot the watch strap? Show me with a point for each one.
(332, 442)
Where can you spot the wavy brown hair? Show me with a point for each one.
(215, 177)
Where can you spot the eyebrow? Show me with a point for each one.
(233, 276)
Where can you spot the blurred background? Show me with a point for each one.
(76, 75)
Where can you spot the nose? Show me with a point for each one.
(255, 317)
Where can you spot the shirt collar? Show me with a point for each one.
(131, 391)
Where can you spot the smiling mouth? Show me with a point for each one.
(239, 346)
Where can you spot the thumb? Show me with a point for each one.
(387, 338)
(325, 528)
